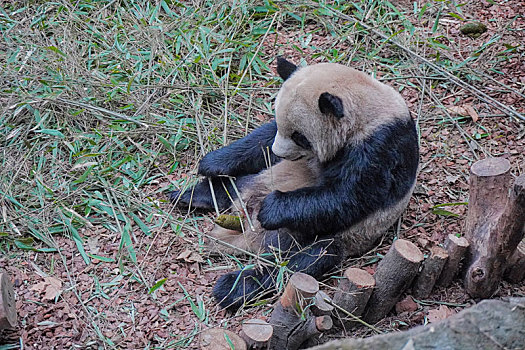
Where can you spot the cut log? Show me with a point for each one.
(491, 324)
(393, 276)
(494, 225)
(221, 339)
(292, 320)
(8, 314)
(257, 334)
(431, 271)
(515, 271)
(353, 294)
(323, 323)
(456, 248)
(321, 307)
(300, 287)
(312, 329)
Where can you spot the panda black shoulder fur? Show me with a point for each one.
(344, 155)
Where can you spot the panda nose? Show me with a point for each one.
(281, 146)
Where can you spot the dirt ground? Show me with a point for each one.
(52, 314)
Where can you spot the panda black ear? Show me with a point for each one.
(285, 68)
(331, 104)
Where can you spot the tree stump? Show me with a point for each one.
(257, 334)
(428, 276)
(393, 276)
(456, 248)
(221, 339)
(353, 293)
(315, 326)
(515, 271)
(494, 224)
(292, 319)
(7, 303)
(321, 307)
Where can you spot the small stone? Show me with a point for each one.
(422, 242)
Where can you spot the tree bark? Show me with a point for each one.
(352, 295)
(432, 268)
(292, 320)
(495, 223)
(456, 248)
(8, 314)
(393, 276)
(515, 271)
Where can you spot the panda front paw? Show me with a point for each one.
(212, 165)
(269, 215)
(190, 198)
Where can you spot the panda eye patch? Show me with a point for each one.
(301, 140)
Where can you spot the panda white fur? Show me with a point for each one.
(344, 154)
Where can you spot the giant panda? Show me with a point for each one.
(322, 182)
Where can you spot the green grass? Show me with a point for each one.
(107, 105)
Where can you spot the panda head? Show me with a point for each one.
(323, 107)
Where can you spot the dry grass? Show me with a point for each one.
(106, 105)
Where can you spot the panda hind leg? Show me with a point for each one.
(199, 196)
(317, 258)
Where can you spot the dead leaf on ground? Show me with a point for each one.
(406, 305)
(464, 110)
(51, 287)
(190, 256)
(94, 246)
(436, 315)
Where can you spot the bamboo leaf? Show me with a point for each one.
(157, 285)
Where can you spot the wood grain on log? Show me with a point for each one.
(323, 323)
(353, 293)
(8, 314)
(431, 271)
(494, 225)
(300, 287)
(393, 276)
(257, 334)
